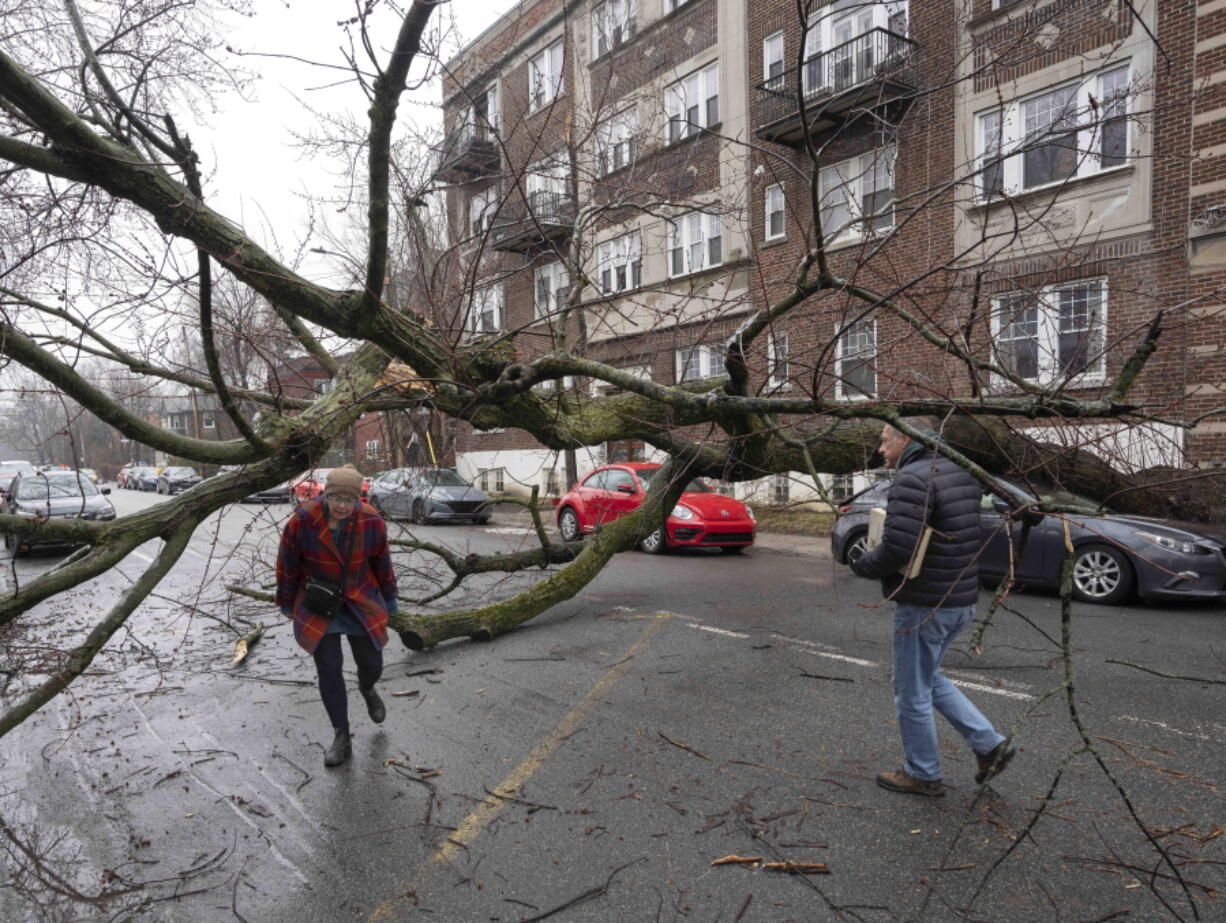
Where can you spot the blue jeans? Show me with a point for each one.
(922, 635)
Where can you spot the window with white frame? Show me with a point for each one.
(1062, 133)
(777, 360)
(372, 447)
(698, 362)
(324, 385)
(842, 48)
(613, 24)
(692, 103)
(545, 75)
(550, 283)
(485, 315)
(616, 139)
(547, 184)
(493, 113)
(842, 487)
(781, 488)
(856, 361)
(481, 209)
(552, 384)
(857, 195)
(774, 211)
(492, 480)
(620, 263)
(670, 5)
(1054, 334)
(695, 243)
(772, 60)
(208, 421)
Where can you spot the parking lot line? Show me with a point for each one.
(481, 816)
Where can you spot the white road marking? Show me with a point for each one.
(820, 650)
(1164, 726)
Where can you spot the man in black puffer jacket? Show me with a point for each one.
(932, 608)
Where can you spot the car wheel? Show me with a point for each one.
(1101, 574)
(568, 525)
(857, 545)
(481, 521)
(733, 549)
(419, 513)
(655, 543)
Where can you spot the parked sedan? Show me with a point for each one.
(430, 495)
(53, 494)
(1115, 555)
(702, 518)
(177, 478)
(143, 478)
(278, 493)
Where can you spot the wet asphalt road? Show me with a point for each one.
(597, 760)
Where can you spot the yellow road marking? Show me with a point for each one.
(484, 813)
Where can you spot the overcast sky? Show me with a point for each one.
(259, 174)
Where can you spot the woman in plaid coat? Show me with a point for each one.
(339, 539)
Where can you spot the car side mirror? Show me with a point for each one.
(106, 490)
(626, 489)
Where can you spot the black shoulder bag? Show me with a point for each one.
(322, 597)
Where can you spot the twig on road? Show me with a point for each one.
(586, 895)
(682, 746)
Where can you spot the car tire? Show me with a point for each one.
(857, 545)
(655, 543)
(481, 521)
(1101, 574)
(419, 513)
(568, 525)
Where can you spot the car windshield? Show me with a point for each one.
(444, 478)
(180, 472)
(40, 488)
(695, 486)
(1062, 498)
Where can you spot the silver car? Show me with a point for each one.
(429, 495)
(53, 494)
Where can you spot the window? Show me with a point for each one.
(1053, 334)
(324, 385)
(208, 421)
(1060, 134)
(546, 185)
(545, 76)
(777, 360)
(620, 263)
(481, 209)
(858, 195)
(842, 487)
(856, 361)
(774, 211)
(670, 5)
(695, 243)
(492, 113)
(781, 488)
(485, 315)
(549, 290)
(491, 480)
(551, 384)
(616, 141)
(176, 423)
(613, 23)
(697, 362)
(692, 104)
(772, 60)
(372, 447)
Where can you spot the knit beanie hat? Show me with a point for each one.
(346, 480)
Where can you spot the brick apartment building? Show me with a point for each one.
(1036, 178)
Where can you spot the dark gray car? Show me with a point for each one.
(429, 495)
(174, 479)
(1116, 555)
(57, 494)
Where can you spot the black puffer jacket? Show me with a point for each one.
(929, 489)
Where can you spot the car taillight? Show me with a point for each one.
(845, 508)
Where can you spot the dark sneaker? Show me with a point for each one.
(339, 751)
(899, 780)
(994, 762)
(374, 705)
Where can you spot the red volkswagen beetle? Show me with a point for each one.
(702, 518)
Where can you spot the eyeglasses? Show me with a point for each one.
(333, 498)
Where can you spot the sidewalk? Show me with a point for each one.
(778, 542)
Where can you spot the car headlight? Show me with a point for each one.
(29, 514)
(682, 512)
(749, 513)
(1171, 544)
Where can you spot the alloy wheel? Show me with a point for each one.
(568, 525)
(1097, 574)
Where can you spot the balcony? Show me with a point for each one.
(467, 153)
(872, 69)
(544, 219)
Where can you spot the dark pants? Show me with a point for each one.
(328, 664)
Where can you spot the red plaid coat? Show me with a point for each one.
(307, 550)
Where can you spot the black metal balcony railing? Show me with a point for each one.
(873, 68)
(544, 217)
(469, 151)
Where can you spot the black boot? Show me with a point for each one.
(374, 705)
(340, 749)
